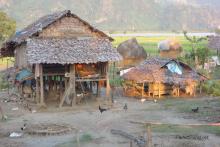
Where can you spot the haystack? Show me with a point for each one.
(132, 53)
(169, 49)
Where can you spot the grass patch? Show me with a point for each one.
(85, 138)
(173, 129)
(186, 129)
(9, 60)
(181, 105)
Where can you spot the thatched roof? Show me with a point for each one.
(131, 49)
(214, 42)
(155, 70)
(36, 27)
(69, 51)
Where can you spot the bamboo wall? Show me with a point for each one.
(154, 89)
(20, 56)
(68, 27)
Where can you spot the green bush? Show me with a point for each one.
(3, 82)
(212, 88)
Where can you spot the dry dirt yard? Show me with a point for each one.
(93, 129)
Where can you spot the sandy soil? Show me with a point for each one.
(87, 119)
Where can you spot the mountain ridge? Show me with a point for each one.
(122, 15)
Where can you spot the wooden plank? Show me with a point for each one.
(71, 88)
(139, 142)
(88, 80)
(173, 124)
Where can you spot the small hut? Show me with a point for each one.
(131, 52)
(157, 76)
(169, 49)
(68, 58)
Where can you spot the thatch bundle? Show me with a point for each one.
(169, 48)
(131, 52)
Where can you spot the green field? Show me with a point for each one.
(150, 43)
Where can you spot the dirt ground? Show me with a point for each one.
(94, 128)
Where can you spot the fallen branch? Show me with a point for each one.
(159, 123)
(140, 142)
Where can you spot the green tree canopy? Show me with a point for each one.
(7, 27)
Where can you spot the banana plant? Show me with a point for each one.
(194, 42)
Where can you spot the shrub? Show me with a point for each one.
(3, 82)
(212, 88)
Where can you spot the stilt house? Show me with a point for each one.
(68, 57)
(159, 76)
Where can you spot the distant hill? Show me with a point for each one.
(119, 15)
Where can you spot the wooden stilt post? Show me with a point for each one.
(98, 89)
(131, 143)
(90, 86)
(108, 84)
(178, 90)
(73, 82)
(42, 103)
(159, 89)
(37, 75)
(149, 136)
(37, 91)
(142, 91)
(200, 87)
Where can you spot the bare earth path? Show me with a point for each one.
(96, 126)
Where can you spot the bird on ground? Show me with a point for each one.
(143, 100)
(24, 127)
(125, 107)
(102, 109)
(4, 117)
(195, 110)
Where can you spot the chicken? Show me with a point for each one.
(102, 109)
(125, 107)
(195, 110)
(24, 127)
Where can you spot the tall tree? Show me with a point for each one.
(7, 27)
